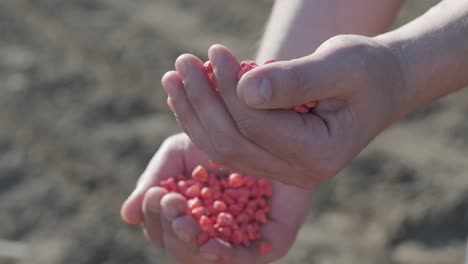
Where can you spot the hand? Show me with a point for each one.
(356, 80)
(166, 225)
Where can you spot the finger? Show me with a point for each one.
(179, 230)
(290, 83)
(287, 135)
(185, 115)
(151, 210)
(226, 68)
(230, 147)
(207, 105)
(173, 205)
(186, 228)
(167, 162)
(174, 208)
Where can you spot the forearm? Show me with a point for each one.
(433, 51)
(297, 27)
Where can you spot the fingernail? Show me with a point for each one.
(257, 91)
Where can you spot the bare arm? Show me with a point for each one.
(297, 27)
(354, 79)
(433, 51)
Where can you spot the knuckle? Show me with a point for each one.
(346, 40)
(337, 42)
(354, 56)
(349, 46)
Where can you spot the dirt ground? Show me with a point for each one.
(82, 111)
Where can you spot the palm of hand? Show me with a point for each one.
(289, 207)
(351, 77)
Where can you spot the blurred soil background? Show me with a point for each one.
(82, 112)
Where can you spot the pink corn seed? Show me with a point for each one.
(219, 206)
(231, 207)
(200, 174)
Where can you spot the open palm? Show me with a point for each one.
(166, 225)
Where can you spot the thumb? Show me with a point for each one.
(167, 162)
(286, 84)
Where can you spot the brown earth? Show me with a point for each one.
(82, 111)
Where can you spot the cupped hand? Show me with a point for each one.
(166, 225)
(358, 84)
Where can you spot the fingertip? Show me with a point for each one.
(132, 209)
(172, 83)
(187, 58)
(186, 65)
(219, 54)
(151, 205)
(130, 212)
(214, 49)
(183, 57)
(186, 228)
(173, 205)
(169, 76)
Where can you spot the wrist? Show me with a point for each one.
(403, 88)
(432, 52)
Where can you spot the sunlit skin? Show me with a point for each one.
(166, 224)
(362, 84)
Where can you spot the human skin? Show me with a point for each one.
(145, 206)
(167, 225)
(363, 84)
(351, 77)
(296, 28)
